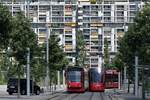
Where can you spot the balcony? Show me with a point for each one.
(68, 47)
(68, 13)
(94, 36)
(133, 7)
(96, 24)
(80, 12)
(120, 7)
(94, 60)
(107, 7)
(93, 1)
(68, 30)
(68, 38)
(94, 7)
(70, 24)
(42, 35)
(120, 34)
(94, 51)
(84, 0)
(41, 40)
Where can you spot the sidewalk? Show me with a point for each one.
(43, 96)
(123, 95)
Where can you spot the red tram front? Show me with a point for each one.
(96, 82)
(111, 79)
(75, 79)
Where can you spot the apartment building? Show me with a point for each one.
(97, 19)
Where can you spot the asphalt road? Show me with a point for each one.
(60, 96)
(81, 96)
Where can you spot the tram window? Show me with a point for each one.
(74, 76)
(95, 77)
(115, 78)
(111, 78)
(108, 78)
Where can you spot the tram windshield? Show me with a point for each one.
(95, 76)
(74, 76)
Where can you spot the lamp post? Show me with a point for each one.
(28, 58)
(47, 78)
(136, 74)
(28, 71)
(125, 67)
(18, 70)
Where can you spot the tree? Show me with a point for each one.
(16, 36)
(5, 36)
(80, 49)
(38, 64)
(57, 58)
(117, 62)
(6, 26)
(23, 37)
(56, 54)
(106, 54)
(20, 37)
(136, 40)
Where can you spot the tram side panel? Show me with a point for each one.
(111, 79)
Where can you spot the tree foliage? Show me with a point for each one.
(23, 37)
(80, 49)
(117, 62)
(38, 64)
(106, 54)
(16, 35)
(5, 26)
(136, 39)
(57, 59)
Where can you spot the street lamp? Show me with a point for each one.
(47, 78)
(28, 71)
(136, 73)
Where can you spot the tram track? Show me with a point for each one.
(64, 96)
(110, 97)
(91, 96)
(73, 97)
(102, 96)
(54, 96)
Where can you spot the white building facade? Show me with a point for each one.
(97, 19)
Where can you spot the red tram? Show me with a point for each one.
(96, 80)
(75, 79)
(111, 79)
